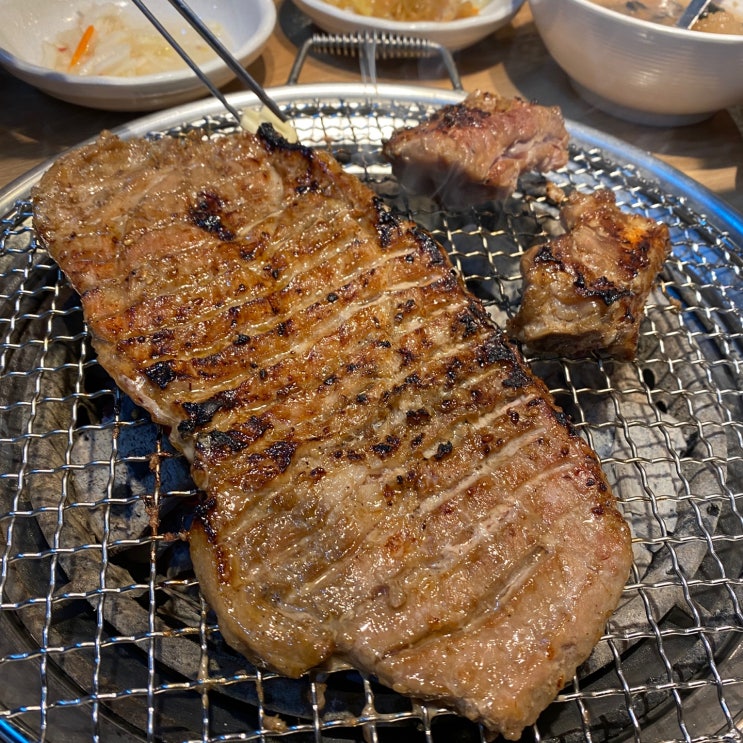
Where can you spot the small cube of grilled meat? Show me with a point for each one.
(386, 485)
(585, 291)
(476, 150)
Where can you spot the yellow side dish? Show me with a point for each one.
(412, 10)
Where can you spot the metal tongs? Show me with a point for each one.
(364, 45)
(210, 38)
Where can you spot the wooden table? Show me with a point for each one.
(513, 61)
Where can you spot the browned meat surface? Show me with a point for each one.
(585, 291)
(386, 484)
(476, 150)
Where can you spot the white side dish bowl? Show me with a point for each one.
(28, 25)
(640, 71)
(453, 35)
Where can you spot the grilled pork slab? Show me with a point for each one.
(585, 291)
(386, 484)
(476, 150)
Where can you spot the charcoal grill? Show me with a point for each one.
(103, 633)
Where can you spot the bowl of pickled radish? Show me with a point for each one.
(107, 54)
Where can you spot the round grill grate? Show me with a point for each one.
(103, 634)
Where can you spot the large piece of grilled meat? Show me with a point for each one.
(476, 150)
(386, 484)
(585, 291)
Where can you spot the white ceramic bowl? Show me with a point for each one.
(640, 71)
(453, 35)
(26, 24)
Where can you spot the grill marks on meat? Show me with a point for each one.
(476, 150)
(386, 484)
(585, 291)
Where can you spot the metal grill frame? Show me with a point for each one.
(60, 651)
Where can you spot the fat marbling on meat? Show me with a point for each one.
(476, 150)
(386, 485)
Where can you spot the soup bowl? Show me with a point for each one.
(638, 70)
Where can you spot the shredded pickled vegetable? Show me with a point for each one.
(412, 10)
(113, 40)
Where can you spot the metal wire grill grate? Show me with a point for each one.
(103, 634)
